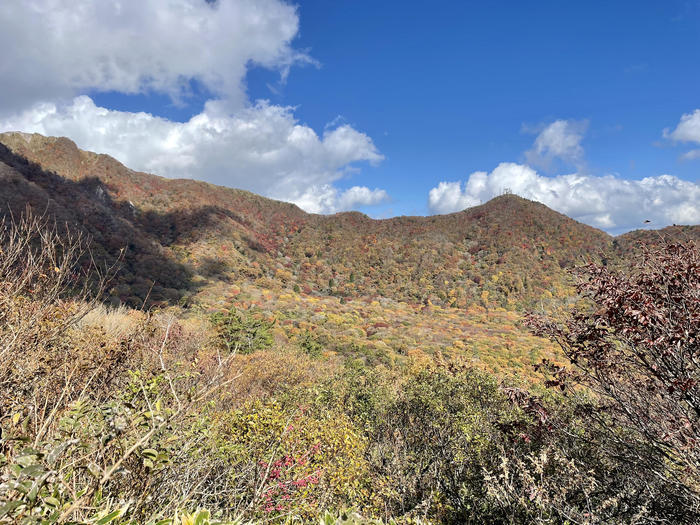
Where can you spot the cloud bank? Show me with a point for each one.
(609, 202)
(58, 51)
(61, 48)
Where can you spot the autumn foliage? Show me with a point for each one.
(248, 362)
(637, 348)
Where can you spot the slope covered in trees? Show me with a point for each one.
(383, 291)
(153, 417)
(508, 252)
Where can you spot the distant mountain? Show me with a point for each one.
(629, 242)
(182, 236)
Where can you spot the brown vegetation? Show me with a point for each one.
(318, 364)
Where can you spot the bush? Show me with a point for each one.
(237, 332)
(291, 460)
(44, 292)
(636, 349)
(91, 413)
(434, 442)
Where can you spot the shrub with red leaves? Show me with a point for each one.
(637, 349)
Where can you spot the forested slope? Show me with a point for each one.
(180, 235)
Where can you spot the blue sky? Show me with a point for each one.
(411, 95)
(445, 88)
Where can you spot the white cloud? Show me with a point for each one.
(448, 197)
(687, 130)
(56, 51)
(608, 202)
(261, 148)
(328, 199)
(560, 140)
(691, 155)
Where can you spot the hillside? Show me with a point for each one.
(386, 291)
(185, 234)
(288, 366)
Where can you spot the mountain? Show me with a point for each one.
(183, 234)
(167, 226)
(387, 291)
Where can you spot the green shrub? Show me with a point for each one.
(242, 333)
(310, 345)
(291, 459)
(434, 442)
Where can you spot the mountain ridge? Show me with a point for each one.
(183, 234)
(31, 145)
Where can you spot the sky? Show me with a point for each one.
(390, 108)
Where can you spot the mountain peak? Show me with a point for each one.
(184, 234)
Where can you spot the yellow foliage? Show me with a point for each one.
(300, 455)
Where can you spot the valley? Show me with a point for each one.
(395, 369)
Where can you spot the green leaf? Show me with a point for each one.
(202, 517)
(52, 502)
(26, 460)
(109, 517)
(34, 492)
(58, 451)
(33, 470)
(22, 487)
(150, 453)
(94, 470)
(9, 507)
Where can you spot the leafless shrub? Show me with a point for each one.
(47, 284)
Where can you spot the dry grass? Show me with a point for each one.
(115, 322)
(277, 370)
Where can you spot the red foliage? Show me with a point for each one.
(638, 349)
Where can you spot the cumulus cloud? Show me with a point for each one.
(57, 51)
(261, 148)
(60, 48)
(687, 130)
(560, 140)
(328, 199)
(609, 202)
(448, 197)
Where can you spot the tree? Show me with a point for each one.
(239, 333)
(636, 348)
